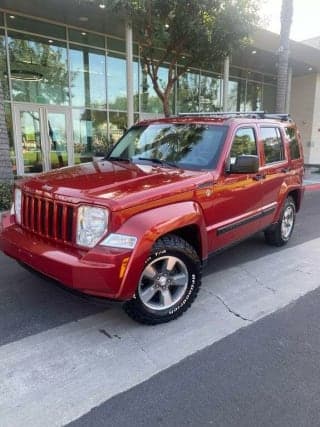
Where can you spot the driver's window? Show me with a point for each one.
(244, 143)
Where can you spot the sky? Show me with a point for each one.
(305, 22)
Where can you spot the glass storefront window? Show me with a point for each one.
(150, 102)
(1, 20)
(3, 68)
(90, 134)
(236, 95)
(188, 92)
(269, 98)
(210, 93)
(34, 26)
(84, 37)
(117, 126)
(117, 84)
(116, 44)
(38, 70)
(87, 77)
(254, 96)
(8, 117)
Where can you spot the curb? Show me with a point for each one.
(312, 187)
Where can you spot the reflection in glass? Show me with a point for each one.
(117, 126)
(8, 118)
(150, 102)
(269, 98)
(90, 134)
(3, 68)
(210, 93)
(254, 96)
(236, 95)
(184, 145)
(188, 93)
(38, 70)
(117, 85)
(88, 77)
(84, 37)
(58, 140)
(38, 27)
(32, 149)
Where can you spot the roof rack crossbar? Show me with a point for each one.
(248, 114)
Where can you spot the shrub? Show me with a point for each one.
(5, 195)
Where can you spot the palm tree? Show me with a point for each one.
(6, 173)
(283, 57)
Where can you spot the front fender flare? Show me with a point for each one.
(148, 227)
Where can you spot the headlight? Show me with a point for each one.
(17, 204)
(92, 223)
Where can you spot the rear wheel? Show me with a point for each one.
(168, 284)
(279, 234)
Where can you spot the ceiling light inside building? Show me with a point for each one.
(309, 68)
(83, 18)
(253, 52)
(11, 16)
(83, 33)
(102, 6)
(50, 41)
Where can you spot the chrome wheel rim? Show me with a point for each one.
(163, 282)
(287, 222)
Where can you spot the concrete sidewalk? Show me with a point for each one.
(312, 178)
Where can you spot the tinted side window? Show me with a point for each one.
(273, 144)
(244, 142)
(293, 143)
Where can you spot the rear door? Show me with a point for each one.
(275, 169)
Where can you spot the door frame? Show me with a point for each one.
(43, 110)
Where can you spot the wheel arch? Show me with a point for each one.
(183, 219)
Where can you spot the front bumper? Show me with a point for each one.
(96, 272)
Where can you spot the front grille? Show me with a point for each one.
(48, 218)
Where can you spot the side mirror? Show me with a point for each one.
(245, 164)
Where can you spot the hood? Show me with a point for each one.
(112, 183)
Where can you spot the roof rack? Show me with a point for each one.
(245, 114)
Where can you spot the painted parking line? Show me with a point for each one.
(58, 375)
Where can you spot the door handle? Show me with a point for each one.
(259, 176)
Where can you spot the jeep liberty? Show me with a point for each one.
(139, 225)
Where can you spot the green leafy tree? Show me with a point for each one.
(185, 33)
(283, 58)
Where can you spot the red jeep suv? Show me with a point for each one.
(138, 226)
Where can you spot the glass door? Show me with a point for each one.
(43, 138)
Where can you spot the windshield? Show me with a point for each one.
(189, 146)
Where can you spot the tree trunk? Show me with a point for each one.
(6, 173)
(166, 105)
(283, 57)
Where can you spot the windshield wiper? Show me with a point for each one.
(158, 161)
(118, 159)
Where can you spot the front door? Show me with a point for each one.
(42, 137)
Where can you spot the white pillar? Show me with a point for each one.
(225, 83)
(289, 84)
(129, 56)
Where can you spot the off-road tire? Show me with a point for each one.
(275, 235)
(170, 246)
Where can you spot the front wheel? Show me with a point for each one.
(168, 284)
(280, 233)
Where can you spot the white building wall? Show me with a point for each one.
(302, 110)
(315, 136)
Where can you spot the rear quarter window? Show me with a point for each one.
(272, 144)
(294, 148)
